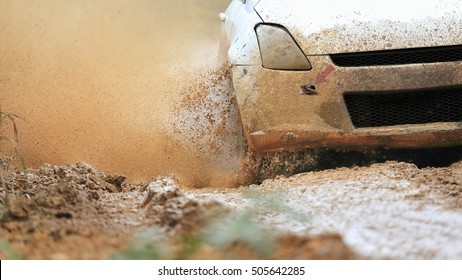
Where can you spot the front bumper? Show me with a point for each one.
(276, 116)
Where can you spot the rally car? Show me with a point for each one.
(346, 74)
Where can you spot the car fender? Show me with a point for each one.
(238, 33)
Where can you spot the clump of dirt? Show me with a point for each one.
(167, 206)
(286, 247)
(59, 191)
(59, 212)
(323, 247)
(444, 184)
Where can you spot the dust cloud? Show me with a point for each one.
(99, 81)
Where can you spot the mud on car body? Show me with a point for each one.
(349, 74)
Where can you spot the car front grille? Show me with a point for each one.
(398, 57)
(400, 108)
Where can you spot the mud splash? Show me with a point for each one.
(206, 122)
(98, 82)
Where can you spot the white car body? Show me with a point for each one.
(285, 105)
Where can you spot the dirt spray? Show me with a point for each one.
(125, 86)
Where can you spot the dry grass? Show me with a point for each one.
(9, 139)
(9, 136)
(9, 133)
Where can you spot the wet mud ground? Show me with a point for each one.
(391, 210)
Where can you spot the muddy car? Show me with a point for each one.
(346, 74)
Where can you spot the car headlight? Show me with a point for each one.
(279, 50)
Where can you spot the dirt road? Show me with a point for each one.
(386, 211)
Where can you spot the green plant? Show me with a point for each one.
(240, 229)
(221, 234)
(7, 252)
(146, 245)
(273, 201)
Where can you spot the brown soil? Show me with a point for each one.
(77, 212)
